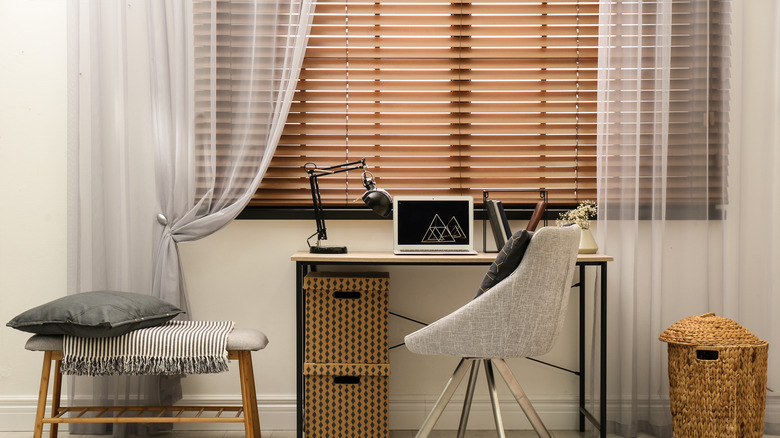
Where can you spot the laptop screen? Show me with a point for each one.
(433, 222)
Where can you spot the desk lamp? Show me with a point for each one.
(378, 200)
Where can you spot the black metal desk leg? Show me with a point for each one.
(603, 351)
(582, 347)
(601, 422)
(300, 273)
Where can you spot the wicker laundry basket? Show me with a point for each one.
(717, 378)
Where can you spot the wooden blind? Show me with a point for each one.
(455, 97)
(444, 97)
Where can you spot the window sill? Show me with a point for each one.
(342, 213)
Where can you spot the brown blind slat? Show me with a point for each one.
(444, 97)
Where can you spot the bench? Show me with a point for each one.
(240, 344)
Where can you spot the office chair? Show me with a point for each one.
(521, 316)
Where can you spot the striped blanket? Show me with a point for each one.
(176, 347)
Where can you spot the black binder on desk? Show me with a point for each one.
(504, 221)
(498, 222)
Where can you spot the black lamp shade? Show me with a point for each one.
(379, 201)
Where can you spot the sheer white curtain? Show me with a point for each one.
(148, 163)
(219, 107)
(751, 265)
(111, 193)
(687, 186)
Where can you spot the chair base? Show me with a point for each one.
(457, 377)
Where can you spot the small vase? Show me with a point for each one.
(587, 242)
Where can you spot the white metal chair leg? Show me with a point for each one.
(491, 382)
(521, 398)
(444, 398)
(464, 416)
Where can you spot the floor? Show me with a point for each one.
(288, 434)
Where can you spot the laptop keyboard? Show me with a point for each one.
(435, 250)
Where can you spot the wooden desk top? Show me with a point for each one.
(388, 258)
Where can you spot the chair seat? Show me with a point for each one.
(240, 339)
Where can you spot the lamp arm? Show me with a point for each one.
(346, 167)
(314, 174)
(318, 212)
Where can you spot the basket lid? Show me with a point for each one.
(709, 330)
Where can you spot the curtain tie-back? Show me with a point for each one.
(161, 219)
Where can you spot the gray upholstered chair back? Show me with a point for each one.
(519, 317)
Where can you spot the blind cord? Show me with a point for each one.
(577, 109)
(346, 97)
(460, 99)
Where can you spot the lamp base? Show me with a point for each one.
(328, 249)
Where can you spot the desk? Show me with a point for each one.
(305, 261)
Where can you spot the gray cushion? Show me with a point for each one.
(95, 314)
(246, 339)
(507, 260)
(238, 339)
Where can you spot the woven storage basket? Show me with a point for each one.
(717, 378)
(346, 400)
(346, 317)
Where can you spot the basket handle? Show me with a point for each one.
(707, 354)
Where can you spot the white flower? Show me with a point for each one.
(581, 215)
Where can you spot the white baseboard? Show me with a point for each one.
(17, 413)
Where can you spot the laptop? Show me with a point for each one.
(433, 225)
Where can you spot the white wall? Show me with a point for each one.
(32, 177)
(241, 273)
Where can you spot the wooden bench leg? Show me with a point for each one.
(56, 394)
(248, 394)
(42, 394)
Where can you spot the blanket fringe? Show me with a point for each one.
(144, 366)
